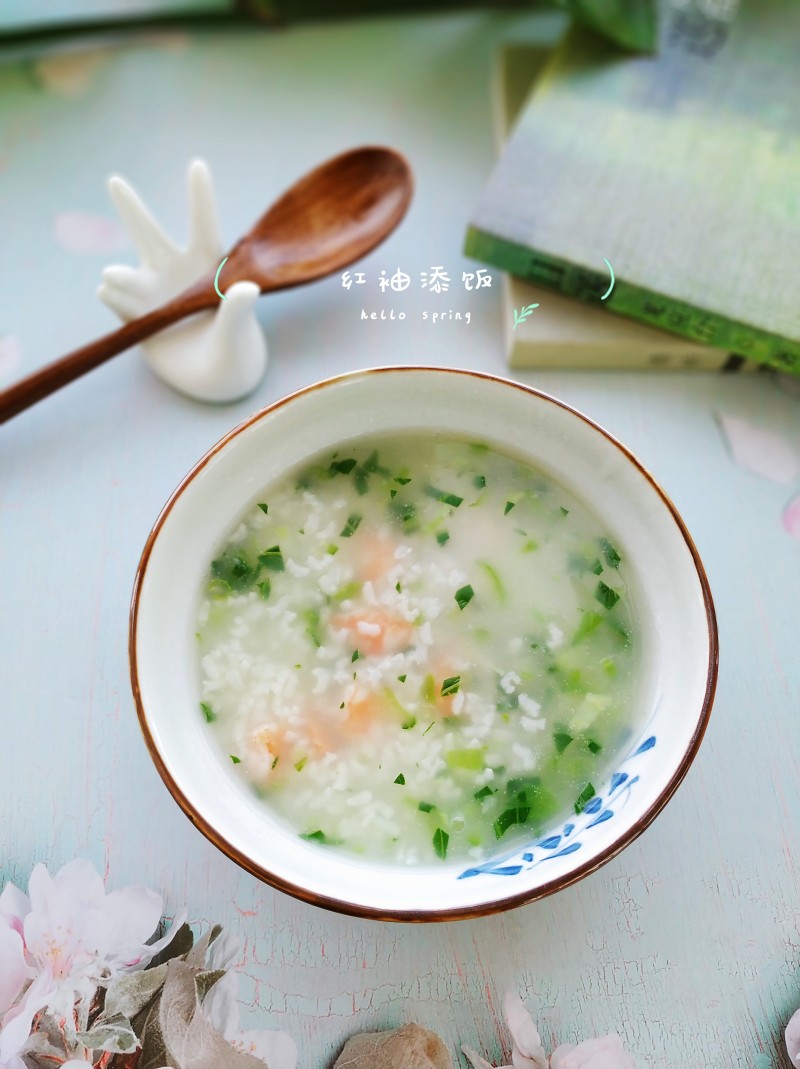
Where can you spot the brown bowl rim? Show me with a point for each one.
(424, 916)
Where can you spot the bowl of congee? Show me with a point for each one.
(421, 644)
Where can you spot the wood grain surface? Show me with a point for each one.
(688, 943)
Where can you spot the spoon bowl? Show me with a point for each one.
(330, 218)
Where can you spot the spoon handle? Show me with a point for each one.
(61, 372)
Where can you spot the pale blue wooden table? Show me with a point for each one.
(689, 942)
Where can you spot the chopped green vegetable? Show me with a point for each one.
(593, 746)
(464, 596)
(393, 493)
(354, 657)
(562, 741)
(320, 837)
(333, 549)
(471, 759)
(371, 464)
(428, 728)
(218, 588)
(236, 760)
(530, 546)
(402, 678)
(342, 705)
(440, 841)
(300, 764)
(612, 557)
(272, 559)
(233, 569)
(351, 526)
(597, 567)
(586, 794)
(497, 582)
(607, 597)
(426, 807)
(429, 688)
(485, 792)
(361, 481)
(399, 479)
(509, 817)
(311, 616)
(264, 508)
(342, 467)
(398, 588)
(479, 481)
(443, 496)
(589, 621)
(410, 723)
(208, 712)
(277, 759)
(509, 506)
(450, 685)
(442, 537)
(401, 779)
(265, 588)
(564, 512)
(608, 666)
(405, 512)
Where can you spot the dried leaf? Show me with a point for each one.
(409, 1047)
(205, 980)
(112, 1033)
(181, 944)
(129, 993)
(197, 957)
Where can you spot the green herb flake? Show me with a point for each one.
(428, 728)
(236, 760)
(509, 506)
(351, 526)
(402, 678)
(265, 588)
(208, 712)
(320, 837)
(562, 740)
(393, 493)
(342, 467)
(342, 706)
(401, 480)
(440, 841)
(313, 629)
(607, 597)
(299, 765)
(496, 581)
(509, 817)
(450, 685)
(479, 481)
(484, 792)
(597, 567)
(355, 656)
(593, 747)
(429, 688)
(464, 596)
(272, 559)
(442, 495)
(586, 794)
(398, 588)
(264, 507)
(426, 807)
(333, 549)
(408, 724)
(275, 762)
(608, 666)
(473, 760)
(442, 537)
(589, 622)
(401, 779)
(564, 512)
(530, 546)
(612, 557)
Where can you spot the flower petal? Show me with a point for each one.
(14, 906)
(791, 517)
(527, 1051)
(793, 1038)
(221, 1006)
(760, 450)
(13, 973)
(17, 1022)
(606, 1052)
(277, 1049)
(132, 915)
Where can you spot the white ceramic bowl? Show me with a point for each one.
(677, 637)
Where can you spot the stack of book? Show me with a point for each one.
(679, 169)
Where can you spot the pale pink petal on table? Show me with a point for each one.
(85, 232)
(70, 74)
(793, 1038)
(10, 356)
(791, 521)
(761, 451)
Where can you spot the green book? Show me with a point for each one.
(680, 169)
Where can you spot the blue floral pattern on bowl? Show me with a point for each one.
(597, 810)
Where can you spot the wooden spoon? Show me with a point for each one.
(333, 216)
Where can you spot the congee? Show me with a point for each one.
(418, 648)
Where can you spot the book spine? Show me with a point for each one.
(635, 301)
